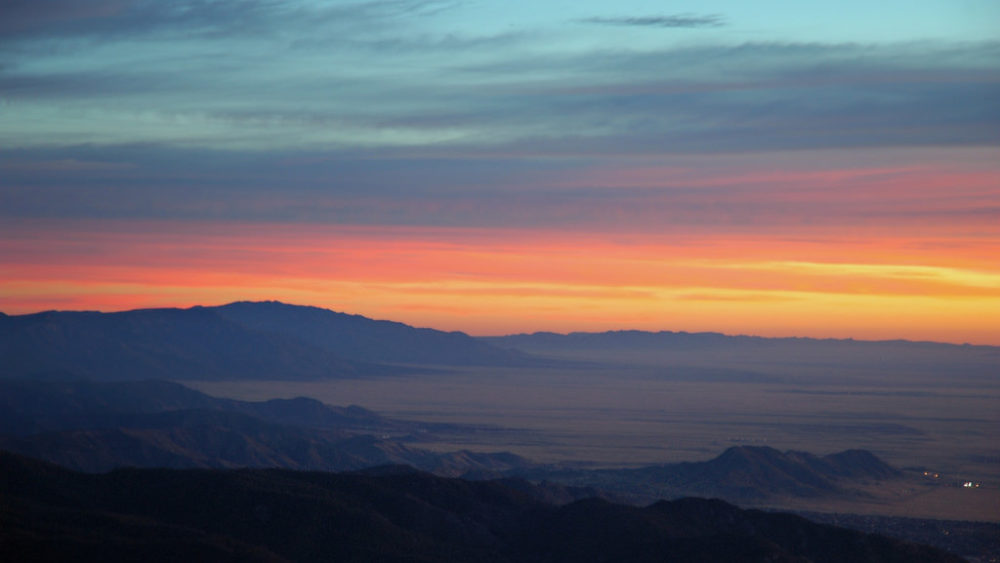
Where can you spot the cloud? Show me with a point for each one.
(36, 19)
(383, 75)
(928, 192)
(115, 18)
(671, 21)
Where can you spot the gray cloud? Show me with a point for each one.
(113, 18)
(496, 190)
(750, 97)
(671, 21)
(38, 19)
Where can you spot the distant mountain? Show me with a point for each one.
(709, 356)
(98, 426)
(615, 339)
(239, 341)
(193, 343)
(362, 339)
(51, 514)
(640, 339)
(740, 474)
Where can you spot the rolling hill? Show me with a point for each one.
(98, 426)
(397, 515)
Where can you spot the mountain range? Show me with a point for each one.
(264, 340)
(641, 339)
(276, 341)
(389, 515)
(714, 357)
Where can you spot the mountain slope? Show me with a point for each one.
(267, 340)
(394, 516)
(363, 339)
(30, 407)
(192, 343)
(97, 426)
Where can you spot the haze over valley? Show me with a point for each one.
(581, 401)
(436, 281)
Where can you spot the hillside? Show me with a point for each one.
(51, 514)
(98, 426)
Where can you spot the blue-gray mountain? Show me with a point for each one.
(708, 356)
(98, 426)
(267, 340)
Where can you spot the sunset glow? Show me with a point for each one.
(451, 167)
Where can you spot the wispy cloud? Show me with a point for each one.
(34, 19)
(671, 21)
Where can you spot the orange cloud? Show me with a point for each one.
(493, 281)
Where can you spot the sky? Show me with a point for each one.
(822, 169)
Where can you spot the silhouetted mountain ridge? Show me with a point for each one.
(266, 340)
(362, 339)
(192, 343)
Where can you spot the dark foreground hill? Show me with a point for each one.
(267, 340)
(52, 514)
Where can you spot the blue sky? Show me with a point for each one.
(715, 123)
(265, 75)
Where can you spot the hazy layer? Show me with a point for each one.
(627, 417)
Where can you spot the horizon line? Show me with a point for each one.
(606, 331)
